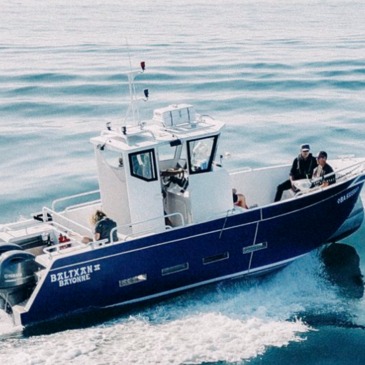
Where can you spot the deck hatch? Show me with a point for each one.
(133, 280)
(215, 258)
(253, 248)
(175, 269)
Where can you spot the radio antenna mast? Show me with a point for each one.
(133, 109)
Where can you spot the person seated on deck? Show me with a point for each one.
(302, 168)
(102, 228)
(239, 200)
(323, 169)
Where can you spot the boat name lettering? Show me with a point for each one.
(347, 196)
(74, 276)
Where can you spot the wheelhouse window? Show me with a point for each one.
(143, 165)
(201, 154)
(172, 155)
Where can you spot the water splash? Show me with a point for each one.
(229, 322)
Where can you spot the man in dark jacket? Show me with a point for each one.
(302, 168)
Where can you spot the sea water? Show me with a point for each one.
(278, 73)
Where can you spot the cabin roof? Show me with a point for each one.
(159, 130)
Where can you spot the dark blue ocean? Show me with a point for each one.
(279, 73)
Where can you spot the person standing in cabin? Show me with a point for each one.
(302, 168)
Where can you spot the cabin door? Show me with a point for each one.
(144, 192)
(209, 186)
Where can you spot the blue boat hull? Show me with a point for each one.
(249, 243)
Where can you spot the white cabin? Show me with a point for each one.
(162, 172)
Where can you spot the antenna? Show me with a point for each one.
(133, 109)
(129, 55)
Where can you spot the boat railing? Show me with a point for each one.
(81, 205)
(176, 214)
(145, 232)
(68, 225)
(311, 185)
(24, 224)
(17, 230)
(63, 247)
(76, 196)
(350, 171)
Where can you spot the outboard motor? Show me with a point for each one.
(17, 276)
(8, 247)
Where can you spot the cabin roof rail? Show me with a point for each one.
(127, 131)
(111, 133)
(140, 129)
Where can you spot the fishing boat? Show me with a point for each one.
(165, 186)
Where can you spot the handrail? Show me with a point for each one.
(315, 183)
(21, 224)
(72, 197)
(75, 206)
(46, 210)
(60, 246)
(130, 225)
(353, 169)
